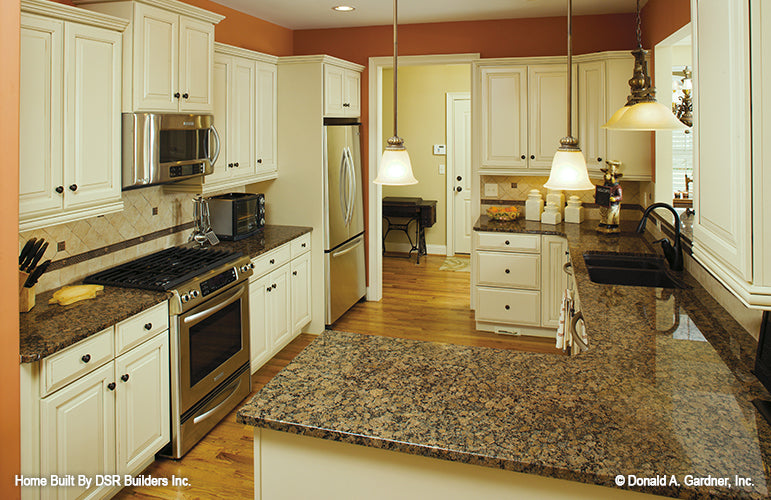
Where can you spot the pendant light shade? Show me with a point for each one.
(568, 168)
(395, 165)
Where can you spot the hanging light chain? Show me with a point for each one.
(639, 28)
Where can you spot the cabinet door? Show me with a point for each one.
(143, 405)
(591, 113)
(334, 91)
(77, 432)
(504, 117)
(352, 101)
(40, 117)
(242, 118)
(156, 68)
(301, 292)
(279, 305)
(547, 87)
(196, 52)
(267, 94)
(223, 75)
(554, 280)
(259, 341)
(92, 116)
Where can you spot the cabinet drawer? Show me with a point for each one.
(60, 369)
(300, 245)
(272, 260)
(140, 327)
(530, 243)
(500, 305)
(516, 270)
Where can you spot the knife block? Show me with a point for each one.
(26, 295)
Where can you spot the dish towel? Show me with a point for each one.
(564, 339)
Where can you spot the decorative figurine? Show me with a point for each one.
(608, 197)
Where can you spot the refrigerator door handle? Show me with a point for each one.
(343, 196)
(351, 248)
(352, 185)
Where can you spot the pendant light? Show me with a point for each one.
(395, 166)
(568, 168)
(641, 111)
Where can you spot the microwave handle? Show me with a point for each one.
(217, 148)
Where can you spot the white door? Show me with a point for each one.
(142, 406)
(279, 300)
(460, 149)
(156, 68)
(554, 280)
(77, 431)
(92, 116)
(301, 291)
(222, 73)
(352, 99)
(267, 114)
(242, 118)
(259, 342)
(334, 91)
(504, 117)
(591, 113)
(548, 86)
(40, 119)
(196, 50)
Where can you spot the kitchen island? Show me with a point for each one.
(647, 400)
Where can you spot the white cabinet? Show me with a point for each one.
(279, 298)
(267, 119)
(519, 282)
(547, 108)
(342, 91)
(69, 127)
(592, 113)
(169, 54)
(242, 118)
(91, 410)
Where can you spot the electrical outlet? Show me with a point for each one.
(440, 149)
(491, 189)
(441, 170)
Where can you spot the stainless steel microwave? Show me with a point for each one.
(163, 147)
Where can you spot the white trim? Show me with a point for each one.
(450, 168)
(253, 55)
(170, 5)
(321, 59)
(61, 11)
(593, 56)
(41, 221)
(405, 247)
(376, 65)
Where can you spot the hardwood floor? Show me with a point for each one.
(419, 302)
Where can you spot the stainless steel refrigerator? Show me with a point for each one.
(343, 219)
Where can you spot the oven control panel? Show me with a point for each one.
(199, 289)
(213, 284)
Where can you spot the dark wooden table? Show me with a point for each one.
(421, 212)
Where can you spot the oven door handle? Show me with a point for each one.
(234, 296)
(206, 415)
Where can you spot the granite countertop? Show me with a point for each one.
(665, 389)
(49, 328)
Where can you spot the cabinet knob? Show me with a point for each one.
(507, 307)
(185, 95)
(294, 273)
(506, 242)
(523, 157)
(459, 189)
(235, 164)
(176, 94)
(303, 245)
(346, 105)
(86, 358)
(73, 187)
(273, 286)
(231, 165)
(268, 289)
(532, 157)
(272, 261)
(259, 160)
(599, 159)
(124, 377)
(59, 189)
(459, 178)
(148, 326)
(508, 271)
(111, 386)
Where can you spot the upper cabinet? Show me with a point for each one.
(520, 109)
(69, 127)
(342, 91)
(168, 56)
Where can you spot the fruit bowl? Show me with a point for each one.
(503, 213)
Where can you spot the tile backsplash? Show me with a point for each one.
(136, 221)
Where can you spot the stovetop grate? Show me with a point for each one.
(164, 270)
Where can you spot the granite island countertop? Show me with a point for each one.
(665, 389)
(49, 328)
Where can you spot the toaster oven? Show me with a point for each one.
(235, 216)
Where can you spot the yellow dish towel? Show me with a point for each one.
(67, 295)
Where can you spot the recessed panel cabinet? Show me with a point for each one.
(342, 91)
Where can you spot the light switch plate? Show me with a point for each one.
(441, 169)
(440, 149)
(491, 189)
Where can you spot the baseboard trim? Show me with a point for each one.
(405, 247)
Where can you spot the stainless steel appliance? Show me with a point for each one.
(235, 216)
(209, 333)
(343, 218)
(162, 147)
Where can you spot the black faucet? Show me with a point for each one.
(673, 253)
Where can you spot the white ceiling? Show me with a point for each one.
(308, 14)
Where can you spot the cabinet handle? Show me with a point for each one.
(507, 271)
(185, 95)
(148, 326)
(111, 386)
(59, 189)
(346, 105)
(532, 157)
(507, 307)
(259, 160)
(459, 189)
(599, 159)
(272, 261)
(523, 157)
(73, 187)
(124, 377)
(176, 94)
(459, 178)
(506, 242)
(294, 273)
(86, 358)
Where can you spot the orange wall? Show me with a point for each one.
(9, 228)
(661, 18)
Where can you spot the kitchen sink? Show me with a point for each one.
(630, 270)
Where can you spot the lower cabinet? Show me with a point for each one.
(519, 282)
(279, 299)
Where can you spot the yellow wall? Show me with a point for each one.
(422, 123)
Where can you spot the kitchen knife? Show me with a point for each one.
(26, 250)
(32, 253)
(37, 257)
(36, 274)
